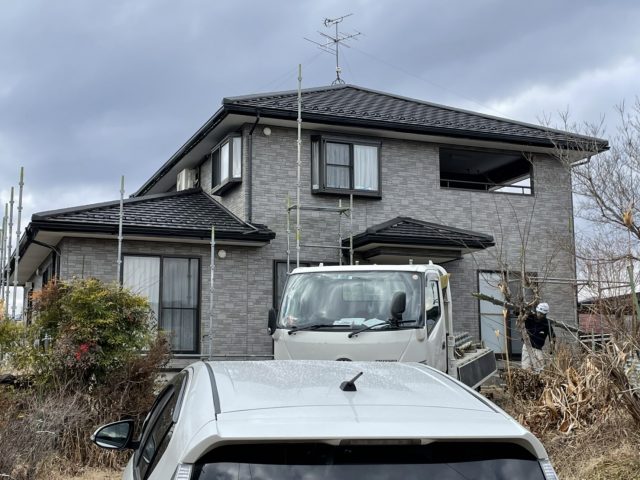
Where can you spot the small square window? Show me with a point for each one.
(226, 161)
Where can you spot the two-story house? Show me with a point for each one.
(428, 182)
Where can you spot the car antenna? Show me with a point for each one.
(350, 385)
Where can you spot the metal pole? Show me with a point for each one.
(351, 229)
(120, 220)
(340, 232)
(288, 234)
(634, 296)
(2, 253)
(6, 305)
(211, 290)
(5, 256)
(299, 164)
(17, 257)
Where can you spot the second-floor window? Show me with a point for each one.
(485, 170)
(226, 161)
(340, 166)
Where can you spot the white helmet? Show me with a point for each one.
(542, 308)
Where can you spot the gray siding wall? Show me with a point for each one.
(411, 187)
(241, 292)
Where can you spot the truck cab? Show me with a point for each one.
(386, 313)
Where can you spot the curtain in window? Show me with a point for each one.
(141, 275)
(315, 161)
(224, 162)
(237, 157)
(337, 159)
(180, 287)
(365, 167)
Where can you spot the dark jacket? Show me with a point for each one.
(538, 330)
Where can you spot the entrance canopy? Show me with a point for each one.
(404, 238)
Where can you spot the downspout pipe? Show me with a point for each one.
(249, 198)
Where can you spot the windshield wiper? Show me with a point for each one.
(387, 324)
(315, 326)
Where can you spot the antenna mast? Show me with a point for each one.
(332, 44)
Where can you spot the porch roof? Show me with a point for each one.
(402, 237)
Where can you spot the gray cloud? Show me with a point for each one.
(93, 90)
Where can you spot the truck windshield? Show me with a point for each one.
(349, 300)
(375, 462)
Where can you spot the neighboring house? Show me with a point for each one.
(429, 182)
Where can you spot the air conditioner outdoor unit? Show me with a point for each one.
(187, 178)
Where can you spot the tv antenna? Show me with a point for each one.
(332, 44)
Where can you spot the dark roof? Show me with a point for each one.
(409, 231)
(357, 105)
(189, 213)
(350, 105)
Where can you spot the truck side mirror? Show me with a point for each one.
(271, 326)
(398, 305)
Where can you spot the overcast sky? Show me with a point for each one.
(91, 90)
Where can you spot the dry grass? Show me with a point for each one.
(45, 429)
(87, 474)
(583, 410)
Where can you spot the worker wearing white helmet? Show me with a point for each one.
(538, 329)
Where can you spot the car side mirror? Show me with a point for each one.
(115, 436)
(398, 305)
(271, 326)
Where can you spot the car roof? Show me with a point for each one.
(367, 268)
(298, 400)
(276, 384)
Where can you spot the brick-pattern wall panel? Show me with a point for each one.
(411, 187)
(241, 302)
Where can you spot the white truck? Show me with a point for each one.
(386, 313)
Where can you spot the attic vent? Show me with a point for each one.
(187, 179)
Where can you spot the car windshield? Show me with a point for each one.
(349, 300)
(446, 461)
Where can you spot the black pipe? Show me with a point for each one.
(249, 196)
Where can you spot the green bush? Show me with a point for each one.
(94, 330)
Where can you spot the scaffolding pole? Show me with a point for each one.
(288, 234)
(3, 244)
(6, 304)
(5, 256)
(211, 289)
(298, 207)
(299, 162)
(350, 229)
(17, 256)
(120, 221)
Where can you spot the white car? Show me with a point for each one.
(324, 420)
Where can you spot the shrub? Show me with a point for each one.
(99, 364)
(95, 328)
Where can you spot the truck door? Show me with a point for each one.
(436, 355)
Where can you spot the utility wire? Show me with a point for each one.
(290, 73)
(411, 74)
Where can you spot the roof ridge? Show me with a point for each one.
(282, 93)
(449, 108)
